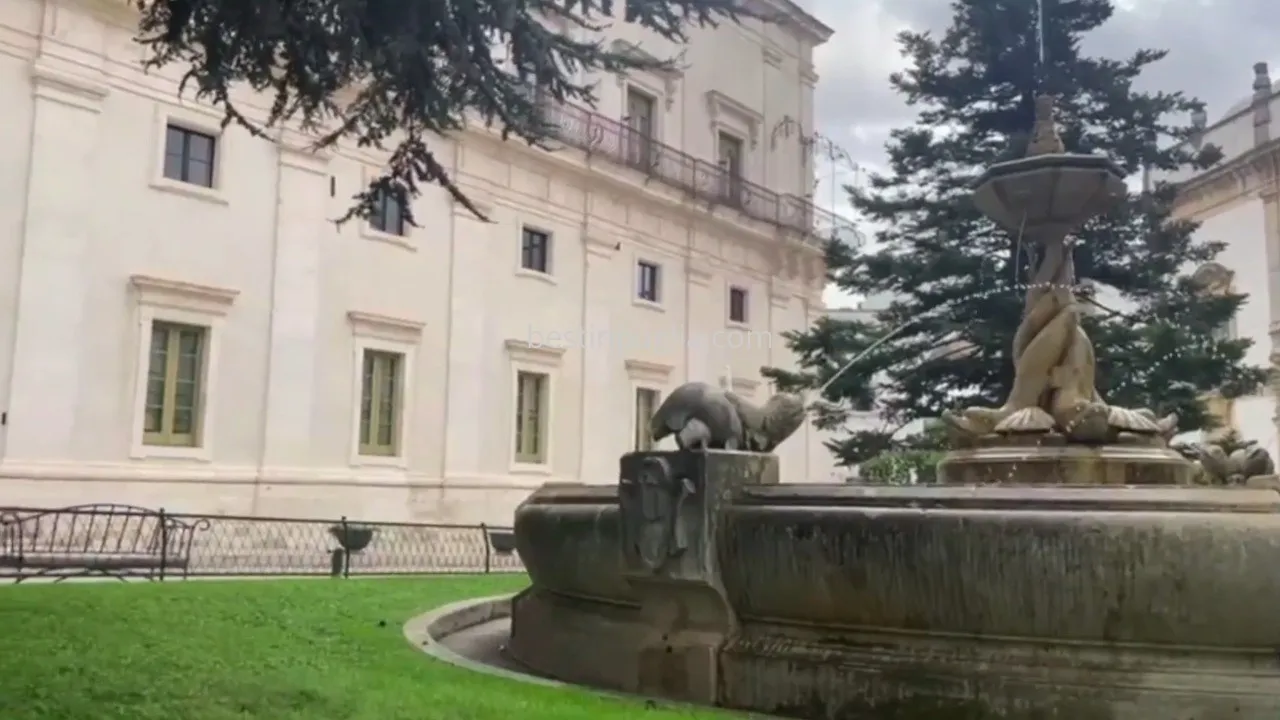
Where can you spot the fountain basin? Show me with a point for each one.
(914, 602)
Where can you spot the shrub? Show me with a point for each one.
(901, 467)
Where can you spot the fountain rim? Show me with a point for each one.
(1048, 162)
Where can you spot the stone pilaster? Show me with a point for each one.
(302, 213)
(698, 298)
(469, 261)
(600, 363)
(1271, 242)
(62, 195)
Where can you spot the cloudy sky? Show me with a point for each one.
(1213, 45)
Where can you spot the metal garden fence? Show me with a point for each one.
(124, 541)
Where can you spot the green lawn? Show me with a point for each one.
(274, 650)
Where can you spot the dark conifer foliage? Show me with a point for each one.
(959, 281)
(395, 73)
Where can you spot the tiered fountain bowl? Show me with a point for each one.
(1045, 577)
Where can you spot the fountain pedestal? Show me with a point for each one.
(670, 507)
(652, 553)
(1050, 460)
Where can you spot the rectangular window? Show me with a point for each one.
(531, 417)
(630, 15)
(648, 281)
(535, 250)
(189, 155)
(646, 406)
(380, 397)
(175, 373)
(729, 151)
(737, 305)
(387, 214)
(641, 129)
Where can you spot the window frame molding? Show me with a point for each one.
(662, 86)
(660, 103)
(549, 276)
(407, 241)
(745, 322)
(194, 119)
(660, 290)
(184, 303)
(646, 375)
(522, 357)
(721, 107)
(384, 333)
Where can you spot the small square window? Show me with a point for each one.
(648, 281)
(535, 250)
(189, 156)
(737, 305)
(388, 214)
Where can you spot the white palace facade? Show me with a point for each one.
(183, 325)
(1237, 202)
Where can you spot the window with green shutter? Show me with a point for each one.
(380, 398)
(175, 376)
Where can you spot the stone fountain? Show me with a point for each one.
(1064, 566)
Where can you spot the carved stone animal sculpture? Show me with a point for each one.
(765, 428)
(1237, 466)
(701, 416)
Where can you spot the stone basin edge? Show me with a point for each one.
(428, 631)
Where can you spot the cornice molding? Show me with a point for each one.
(385, 327)
(648, 370)
(772, 56)
(601, 247)
(298, 150)
(66, 87)
(719, 104)
(699, 271)
(805, 26)
(183, 295)
(780, 296)
(526, 352)
(1254, 172)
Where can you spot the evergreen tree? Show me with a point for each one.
(959, 281)
(395, 73)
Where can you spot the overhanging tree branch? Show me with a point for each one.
(418, 68)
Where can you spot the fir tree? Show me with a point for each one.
(959, 281)
(394, 73)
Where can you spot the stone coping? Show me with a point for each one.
(429, 631)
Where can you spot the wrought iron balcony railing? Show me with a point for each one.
(601, 136)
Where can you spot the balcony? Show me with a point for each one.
(599, 136)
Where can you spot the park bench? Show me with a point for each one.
(120, 541)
